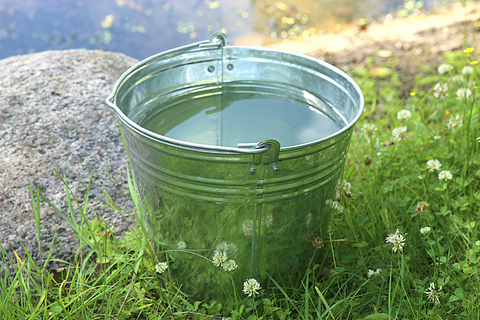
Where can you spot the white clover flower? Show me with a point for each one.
(421, 177)
(444, 68)
(369, 130)
(457, 78)
(251, 287)
(440, 90)
(467, 70)
(335, 205)
(454, 122)
(425, 230)
(248, 228)
(227, 249)
(345, 185)
(433, 294)
(181, 245)
(477, 242)
(400, 133)
(463, 93)
(404, 114)
(397, 241)
(268, 219)
(219, 258)
(445, 175)
(433, 165)
(372, 273)
(161, 267)
(222, 247)
(231, 249)
(229, 265)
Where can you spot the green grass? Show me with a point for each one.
(115, 278)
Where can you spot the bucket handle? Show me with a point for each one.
(216, 41)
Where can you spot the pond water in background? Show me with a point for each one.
(141, 28)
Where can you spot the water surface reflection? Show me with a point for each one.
(140, 28)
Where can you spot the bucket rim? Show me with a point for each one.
(217, 41)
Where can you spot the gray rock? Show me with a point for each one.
(53, 117)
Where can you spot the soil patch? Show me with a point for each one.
(413, 42)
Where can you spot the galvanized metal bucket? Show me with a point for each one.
(233, 197)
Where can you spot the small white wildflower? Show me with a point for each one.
(335, 205)
(463, 93)
(369, 130)
(445, 175)
(404, 114)
(478, 139)
(219, 258)
(437, 137)
(229, 265)
(251, 287)
(425, 230)
(400, 133)
(477, 242)
(444, 68)
(231, 249)
(161, 267)
(268, 219)
(222, 247)
(433, 294)
(421, 177)
(227, 248)
(454, 122)
(433, 165)
(397, 241)
(467, 70)
(457, 78)
(345, 185)
(248, 227)
(440, 90)
(372, 273)
(181, 245)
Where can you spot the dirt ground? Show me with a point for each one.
(413, 41)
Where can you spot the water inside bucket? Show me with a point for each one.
(233, 113)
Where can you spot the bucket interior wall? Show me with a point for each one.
(239, 90)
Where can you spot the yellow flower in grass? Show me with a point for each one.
(473, 62)
(469, 50)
